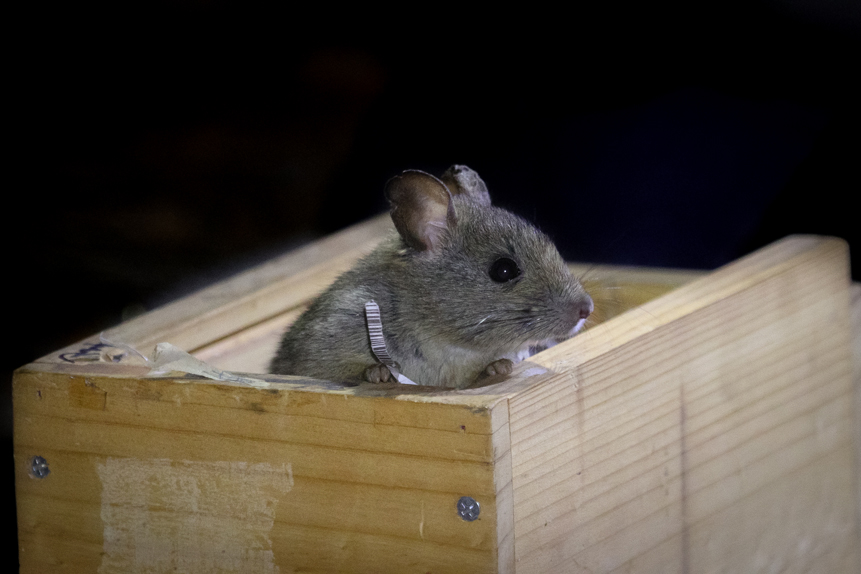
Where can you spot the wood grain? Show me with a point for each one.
(855, 318)
(710, 430)
(369, 476)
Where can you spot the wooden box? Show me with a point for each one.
(709, 429)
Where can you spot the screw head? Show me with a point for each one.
(39, 467)
(468, 508)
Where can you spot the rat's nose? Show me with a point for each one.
(586, 307)
(579, 311)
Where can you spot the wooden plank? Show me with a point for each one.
(250, 350)
(855, 318)
(504, 488)
(717, 414)
(162, 473)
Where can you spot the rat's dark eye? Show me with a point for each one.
(504, 269)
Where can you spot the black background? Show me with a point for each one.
(159, 148)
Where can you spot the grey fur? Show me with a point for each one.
(445, 321)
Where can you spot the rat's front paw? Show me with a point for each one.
(499, 367)
(378, 373)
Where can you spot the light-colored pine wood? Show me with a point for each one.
(703, 423)
(250, 350)
(326, 482)
(855, 294)
(709, 430)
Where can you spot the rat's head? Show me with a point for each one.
(487, 278)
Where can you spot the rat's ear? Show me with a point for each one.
(421, 209)
(463, 181)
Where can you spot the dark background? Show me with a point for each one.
(159, 148)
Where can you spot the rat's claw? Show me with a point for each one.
(499, 367)
(378, 373)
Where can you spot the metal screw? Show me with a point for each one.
(468, 508)
(39, 467)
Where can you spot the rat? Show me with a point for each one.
(464, 289)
